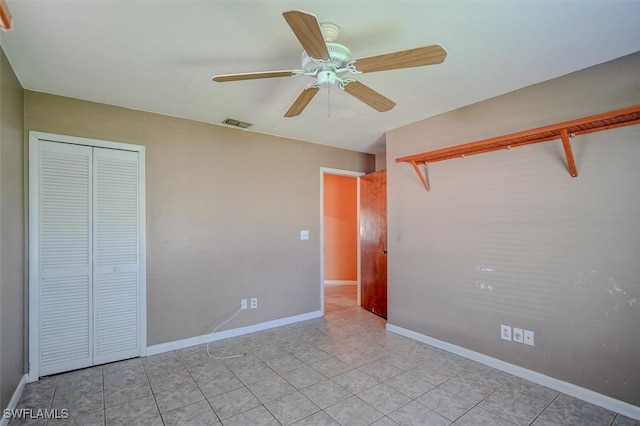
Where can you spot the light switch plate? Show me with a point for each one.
(304, 235)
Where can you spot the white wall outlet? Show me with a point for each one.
(254, 302)
(517, 335)
(304, 235)
(505, 332)
(243, 303)
(528, 337)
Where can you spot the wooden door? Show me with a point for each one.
(373, 242)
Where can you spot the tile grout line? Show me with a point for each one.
(199, 388)
(545, 408)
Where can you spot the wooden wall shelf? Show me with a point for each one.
(562, 131)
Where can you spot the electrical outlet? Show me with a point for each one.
(243, 303)
(254, 302)
(517, 335)
(304, 235)
(505, 332)
(528, 337)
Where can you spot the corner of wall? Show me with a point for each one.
(11, 232)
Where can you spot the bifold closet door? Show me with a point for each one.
(65, 263)
(89, 307)
(116, 255)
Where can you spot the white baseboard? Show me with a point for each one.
(206, 338)
(14, 399)
(340, 282)
(541, 379)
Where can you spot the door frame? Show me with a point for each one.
(339, 172)
(33, 297)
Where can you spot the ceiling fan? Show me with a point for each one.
(330, 64)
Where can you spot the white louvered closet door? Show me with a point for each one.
(65, 293)
(89, 256)
(116, 255)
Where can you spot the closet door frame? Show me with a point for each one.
(34, 328)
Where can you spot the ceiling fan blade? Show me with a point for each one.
(301, 101)
(420, 56)
(306, 28)
(369, 96)
(253, 75)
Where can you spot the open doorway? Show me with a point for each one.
(340, 241)
(340, 251)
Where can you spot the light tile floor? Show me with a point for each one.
(343, 369)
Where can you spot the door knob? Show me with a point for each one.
(116, 269)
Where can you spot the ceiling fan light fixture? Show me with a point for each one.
(326, 78)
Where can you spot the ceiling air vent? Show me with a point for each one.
(236, 123)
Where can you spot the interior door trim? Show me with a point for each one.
(34, 140)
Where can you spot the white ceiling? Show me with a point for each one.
(159, 56)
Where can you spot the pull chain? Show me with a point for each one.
(329, 104)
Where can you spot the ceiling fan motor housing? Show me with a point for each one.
(339, 55)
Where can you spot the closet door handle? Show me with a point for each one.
(116, 269)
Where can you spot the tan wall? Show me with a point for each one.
(11, 232)
(510, 238)
(224, 212)
(340, 228)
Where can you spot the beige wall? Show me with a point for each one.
(340, 228)
(510, 238)
(224, 212)
(11, 232)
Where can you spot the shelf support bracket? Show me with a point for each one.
(566, 144)
(422, 177)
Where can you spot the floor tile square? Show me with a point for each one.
(511, 409)
(353, 412)
(625, 421)
(478, 416)
(271, 388)
(417, 414)
(380, 370)
(326, 393)
(291, 408)
(469, 388)
(384, 421)
(331, 367)
(355, 381)
(234, 402)
(384, 398)
(303, 377)
(132, 411)
(223, 382)
(444, 403)
(184, 393)
(258, 416)
(318, 419)
(566, 410)
(197, 414)
(409, 385)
